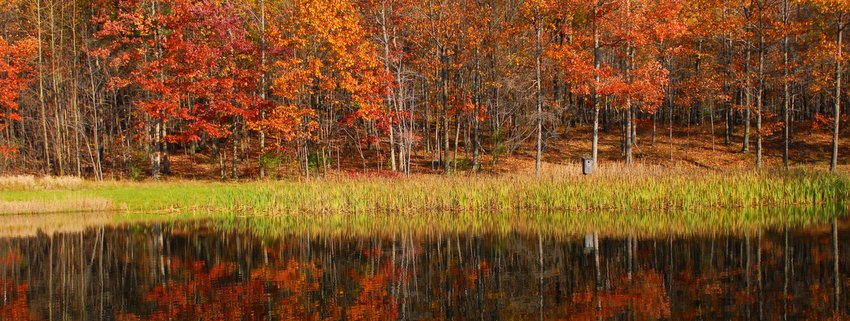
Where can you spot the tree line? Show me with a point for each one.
(89, 87)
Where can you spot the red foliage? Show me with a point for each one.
(16, 305)
(192, 58)
(15, 59)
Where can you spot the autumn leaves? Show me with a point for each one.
(379, 84)
(15, 75)
(204, 65)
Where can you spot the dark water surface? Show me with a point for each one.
(193, 271)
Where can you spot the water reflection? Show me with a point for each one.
(194, 271)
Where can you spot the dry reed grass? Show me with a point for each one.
(29, 182)
(56, 206)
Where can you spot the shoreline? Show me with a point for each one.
(611, 189)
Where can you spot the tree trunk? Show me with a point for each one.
(42, 107)
(262, 83)
(58, 136)
(476, 142)
(165, 166)
(538, 52)
(74, 93)
(156, 145)
(596, 98)
(306, 152)
(711, 122)
(670, 118)
(628, 78)
(156, 155)
(444, 96)
(786, 88)
(390, 94)
(98, 167)
(654, 120)
(729, 83)
(405, 129)
(748, 92)
(234, 161)
(627, 140)
(457, 141)
(760, 91)
(833, 164)
(629, 111)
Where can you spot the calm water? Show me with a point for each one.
(191, 271)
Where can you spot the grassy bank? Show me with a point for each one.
(640, 188)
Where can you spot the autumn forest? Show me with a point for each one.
(424, 159)
(89, 87)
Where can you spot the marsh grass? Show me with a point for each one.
(557, 225)
(616, 201)
(561, 190)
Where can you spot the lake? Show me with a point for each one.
(203, 271)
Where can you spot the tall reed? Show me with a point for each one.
(642, 188)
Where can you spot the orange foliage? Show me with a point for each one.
(208, 291)
(15, 75)
(16, 305)
(329, 65)
(646, 297)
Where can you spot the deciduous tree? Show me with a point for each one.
(15, 75)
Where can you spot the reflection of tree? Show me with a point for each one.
(296, 281)
(10, 257)
(211, 294)
(375, 302)
(205, 293)
(15, 305)
(646, 298)
(197, 274)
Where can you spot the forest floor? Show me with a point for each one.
(693, 147)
